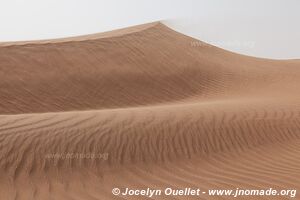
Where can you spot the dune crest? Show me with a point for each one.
(154, 108)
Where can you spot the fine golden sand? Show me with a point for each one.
(156, 108)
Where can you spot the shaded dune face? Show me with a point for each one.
(161, 110)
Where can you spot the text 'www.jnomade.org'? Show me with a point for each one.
(148, 192)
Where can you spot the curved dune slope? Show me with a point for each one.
(156, 108)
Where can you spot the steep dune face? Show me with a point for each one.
(152, 66)
(158, 108)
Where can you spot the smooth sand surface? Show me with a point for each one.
(157, 108)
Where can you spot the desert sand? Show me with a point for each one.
(154, 109)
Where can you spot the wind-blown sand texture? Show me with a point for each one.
(167, 112)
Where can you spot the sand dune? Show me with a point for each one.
(157, 108)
